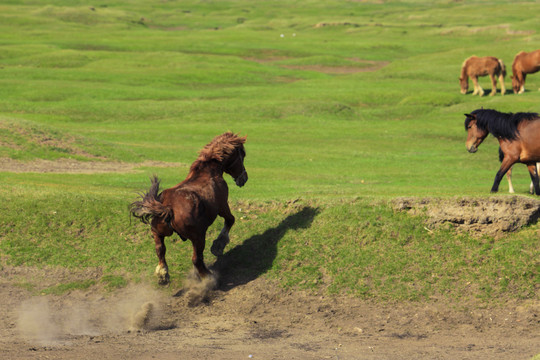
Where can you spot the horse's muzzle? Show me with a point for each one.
(472, 149)
(241, 179)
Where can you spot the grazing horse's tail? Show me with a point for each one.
(150, 205)
(503, 68)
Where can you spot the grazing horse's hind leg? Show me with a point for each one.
(501, 82)
(223, 239)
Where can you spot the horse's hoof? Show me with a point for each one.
(163, 280)
(162, 274)
(217, 248)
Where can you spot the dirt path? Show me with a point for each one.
(255, 320)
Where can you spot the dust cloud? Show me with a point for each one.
(50, 321)
(197, 289)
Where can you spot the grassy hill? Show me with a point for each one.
(346, 105)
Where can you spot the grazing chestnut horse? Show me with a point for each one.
(518, 135)
(474, 67)
(191, 206)
(524, 63)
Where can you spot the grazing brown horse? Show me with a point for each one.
(518, 135)
(474, 67)
(191, 206)
(524, 63)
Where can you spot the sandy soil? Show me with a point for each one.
(249, 320)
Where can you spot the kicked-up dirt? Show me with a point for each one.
(250, 320)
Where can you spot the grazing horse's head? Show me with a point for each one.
(464, 83)
(475, 135)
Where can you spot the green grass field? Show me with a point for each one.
(346, 105)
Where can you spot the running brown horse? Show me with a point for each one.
(475, 66)
(191, 206)
(518, 135)
(524, 63)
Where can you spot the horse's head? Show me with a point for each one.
(464, 83)
(475, 135)
(234, 165)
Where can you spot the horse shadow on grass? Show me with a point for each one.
(255, 256)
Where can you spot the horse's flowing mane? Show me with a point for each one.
(464, 68)
(221, 147)
(500, 125)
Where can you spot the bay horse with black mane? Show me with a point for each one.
(190, 207)
(475, 66)
(518, 135)
(524, 63)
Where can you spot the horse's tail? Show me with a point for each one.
(503, 68)
(150, 205)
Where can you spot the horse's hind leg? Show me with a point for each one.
(162, 270)
(223, 239)
(493, 85)
(501, 82)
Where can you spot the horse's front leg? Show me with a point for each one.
(531, 187)
(477, 88)
(533, 171)
(198, 243)
(505, 166)
(522, 87)
(223, 239)
(493, 85)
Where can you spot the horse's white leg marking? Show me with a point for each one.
(509, 178)
(501, 82)
(522, 89)
(162, 272)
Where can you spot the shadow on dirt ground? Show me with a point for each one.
(246, 262)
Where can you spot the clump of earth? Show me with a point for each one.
(493, 216)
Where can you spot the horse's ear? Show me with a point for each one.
(468, 115)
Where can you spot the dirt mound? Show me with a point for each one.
(493, 216)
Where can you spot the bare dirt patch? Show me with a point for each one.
(363, 65)
(254, 319)
(492, 216)
(65, 165)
